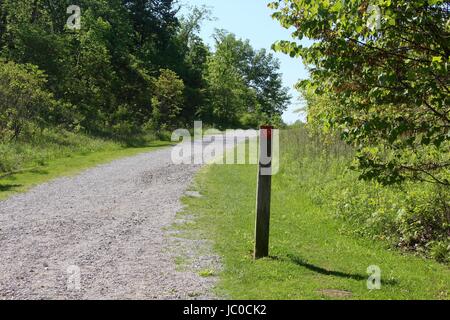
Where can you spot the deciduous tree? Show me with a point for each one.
(386, 77)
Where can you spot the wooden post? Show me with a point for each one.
(263, 193)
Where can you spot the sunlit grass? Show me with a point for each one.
(310, 256)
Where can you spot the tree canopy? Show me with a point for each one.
(383, 68)
(246, 86)
(134, 63)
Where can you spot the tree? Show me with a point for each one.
(23, 98)
(265, 78)
(192, 66)
(103, 75)
(226, 86)
(387, 82)
(152, 18)
(3, 17)
(245, 85)
(105, 69)
(167, 100)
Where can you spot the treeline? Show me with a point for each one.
(133, 66)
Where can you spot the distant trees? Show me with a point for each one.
(227, 90)
(245, 85)
(383, 69)
(133, 65)
(192, 64)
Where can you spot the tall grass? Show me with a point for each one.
(38, 148)
(46, 145)
(411, 216)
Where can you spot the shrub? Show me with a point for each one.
(168, 99)
(23, 98)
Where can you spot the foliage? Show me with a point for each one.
(103, 75)
(168, 99)
(245, 85)
(227, 91)
(23, 98)
(387, 82)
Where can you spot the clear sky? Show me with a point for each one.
(251, 19)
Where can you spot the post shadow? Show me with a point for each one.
(9, 187)
(354, 276)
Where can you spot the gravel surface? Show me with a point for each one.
(103, 234)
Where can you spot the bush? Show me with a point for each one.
(23, 99)
(168, 100)
(413, 217)
(250, 120)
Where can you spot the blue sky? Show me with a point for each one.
(251, 19)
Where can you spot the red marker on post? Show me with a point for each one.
(267, 131)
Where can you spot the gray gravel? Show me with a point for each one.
(112, 223)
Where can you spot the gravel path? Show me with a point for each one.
(103, 234)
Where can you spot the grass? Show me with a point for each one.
(59, 154)
(311, 256)
(206, 273)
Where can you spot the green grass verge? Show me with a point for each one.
(63, 159)
(311, 257)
